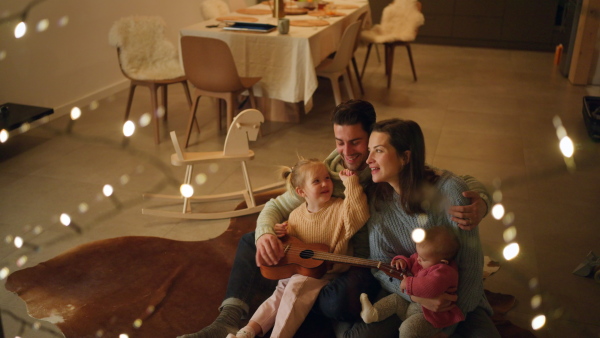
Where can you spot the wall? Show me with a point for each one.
(74, 64)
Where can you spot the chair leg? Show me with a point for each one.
(154, 99)
(362, 74)
(189, 100)
(412, 64)
(191, 120)
(129, 100)
(358, 79)
(335, 85)
(252, 98)
(164, 101)
(348, 83)
(389, 62)
(230, 104)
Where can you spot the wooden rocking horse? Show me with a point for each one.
(244, 127)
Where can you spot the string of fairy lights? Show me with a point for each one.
(24, 241)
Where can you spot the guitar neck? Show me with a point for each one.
(361, 262)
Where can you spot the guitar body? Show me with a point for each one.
(297, 260)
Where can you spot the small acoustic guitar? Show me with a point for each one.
(309, 260)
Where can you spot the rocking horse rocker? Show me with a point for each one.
(244, 127)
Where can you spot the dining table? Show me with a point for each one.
(285, 62)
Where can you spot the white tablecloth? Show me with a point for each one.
(286, 63)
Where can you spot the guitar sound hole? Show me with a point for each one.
(306, 254)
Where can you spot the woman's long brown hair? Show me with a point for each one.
(406, 135)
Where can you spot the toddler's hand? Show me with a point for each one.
(281, 229)
(344, 174)
(403, 286)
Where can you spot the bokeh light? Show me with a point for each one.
(20, 30)
(160, 111)
(123, 335)
(497, 196)
(536, 301)
(75, 113)
(418, 235)
(65, 219)
(25, 127)
(94, 105)
(566, 146)
(538, 322)
(4, 273)
(561, 132)
(145, 119)
(107, 190)
(63, 21)
(124, 179)
(128, 128)
(137, 323)
(3, 135)
(509, 234)
(186, 190)
(21, 261)
(2, 55)
(18, 242)
(508, 218)
(83, 207)
(42, 25)
(201, 179)
(498, 211)
(511, 251)
(533, 283)
(213, 168)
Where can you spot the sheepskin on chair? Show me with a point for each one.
(145, 54)
(211, 9)
(400, 20)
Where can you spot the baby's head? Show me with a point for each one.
(310, 179)
(439, 246)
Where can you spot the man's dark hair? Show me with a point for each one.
(353, 112)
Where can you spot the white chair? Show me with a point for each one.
(211, 9)
(245, 126)
(400, 21)
(147, 59)
(337, 67)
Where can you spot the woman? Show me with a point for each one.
(407, 195)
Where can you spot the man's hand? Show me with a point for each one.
(469, 216)
(269, 250)
(444, 302)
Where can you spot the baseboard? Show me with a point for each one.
(84, 102)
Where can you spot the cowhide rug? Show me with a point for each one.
(152, 287)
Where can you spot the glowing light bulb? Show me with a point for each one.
(4, 273)
(566, 146)
(137, 323)
(128, 128)
(511, 251)
(3, 135)
(75, 113)
(123, 335)
(498, 211)
(186, 190)
(418, 235)
(20, 30)
(65, 219)
(18, 242)
(107, 190)
(538, 322)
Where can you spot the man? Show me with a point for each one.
(339, 300)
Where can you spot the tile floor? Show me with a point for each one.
(485, 112)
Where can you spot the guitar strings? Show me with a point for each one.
(336, 258)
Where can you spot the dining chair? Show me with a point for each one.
(209, 65)
(400, 21)
(211, 9)
(147, 59)
(361, 19)
(245, 127)
(337, 67)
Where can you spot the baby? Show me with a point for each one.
(434, 274)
